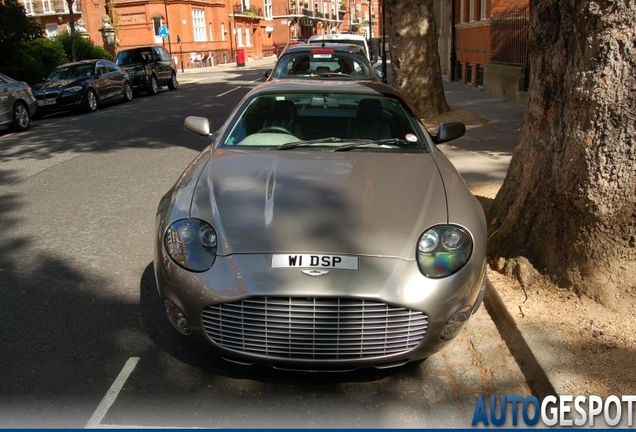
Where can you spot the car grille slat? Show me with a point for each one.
(315, 328)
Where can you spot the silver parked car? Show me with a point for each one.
(321, 230)
(17, 103)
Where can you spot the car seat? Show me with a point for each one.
(283, 115)
(369, 122)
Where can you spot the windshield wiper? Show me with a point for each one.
(395, 142)
(295, 144)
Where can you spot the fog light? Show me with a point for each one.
(456, 323)
(176, 317)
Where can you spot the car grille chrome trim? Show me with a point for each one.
(315, 328)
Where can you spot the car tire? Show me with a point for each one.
(173, 84)
(128, 92)
(153, 86)
(21, 117)
(90, 101)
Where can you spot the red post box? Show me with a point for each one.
(240, 57)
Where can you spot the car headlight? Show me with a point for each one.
(72, 90)
(191, 243)
(442, 250)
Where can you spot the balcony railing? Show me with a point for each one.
(49, 7)
(240, 9)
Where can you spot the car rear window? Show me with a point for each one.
(323, 63)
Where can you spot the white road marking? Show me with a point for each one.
(229, 91)
(112, 393)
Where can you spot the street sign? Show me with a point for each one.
(164, 32)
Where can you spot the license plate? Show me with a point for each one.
(46, 102)
(312, 261)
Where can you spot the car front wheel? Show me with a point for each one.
(173, 84)
(90, 103)
(128, 92)
(21, 118)
(153, 87)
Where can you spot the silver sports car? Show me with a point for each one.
(321, 230)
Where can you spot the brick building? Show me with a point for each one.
(483, 44)
(209, 32)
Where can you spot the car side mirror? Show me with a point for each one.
(449, 131)
(197, 125)
(268, 73)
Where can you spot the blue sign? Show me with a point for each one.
(164, 32)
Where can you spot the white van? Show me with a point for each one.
(343, 38)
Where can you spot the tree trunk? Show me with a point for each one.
(71, 24)
(415, 63)
(568, 202)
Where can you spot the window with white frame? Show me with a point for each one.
(156, 23)
(268, 9)
(51, 30)
(223, 31)
(47, 7)
(461, 11)
(198, 25)
(28, 6)
(239, 36)
(210, 32)
(471, 10)
(248, 42)
(482, 15)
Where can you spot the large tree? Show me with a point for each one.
(568, 202)
(415, 62)
(15, 30)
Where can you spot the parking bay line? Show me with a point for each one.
(112, 393)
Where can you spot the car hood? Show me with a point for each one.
(47, 85)
(361, 203)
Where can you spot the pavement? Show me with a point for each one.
(483, 156)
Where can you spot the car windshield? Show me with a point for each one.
(335, 121)
(322, 63)
(142, 55)
(71, 72)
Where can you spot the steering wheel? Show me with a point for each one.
(278, 129)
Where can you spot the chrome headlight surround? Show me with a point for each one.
(72, 90)
(442, 250)
(191, 243)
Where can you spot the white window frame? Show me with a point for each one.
(267, 6)
(223, 32)
(157, 19)
(462, 11)
(239, 36)
(198, 25)
(47, 7)
(482, 15)
(471, 11)
(248, 40)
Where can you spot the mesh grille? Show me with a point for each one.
(315, 328)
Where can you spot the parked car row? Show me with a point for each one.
(87, 84)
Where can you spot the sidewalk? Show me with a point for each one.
(539, 349)
(255, 63)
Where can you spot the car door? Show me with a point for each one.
(163, 65)
(116, 78)
(101, 82)
(5, 107)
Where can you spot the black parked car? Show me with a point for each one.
(149, 68)
(82, 85)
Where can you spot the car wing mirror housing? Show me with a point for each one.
(449, 131)
(268, 73)
(197, 125)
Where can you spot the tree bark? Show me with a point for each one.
(568, 202)
(415, 62)
(71, 24)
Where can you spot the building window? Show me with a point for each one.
(156, 23)
(480, 75)
(482, 14)
(471, 10)
(198, 25)
(210, 32)
(47, 7)
(462, 16)
(458, 71)
(248, 42)
(239, 35)
(268, 9)
(469, 73)
(51, 30)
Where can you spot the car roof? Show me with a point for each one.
(337, 47)
(302, 85)
(336, 36)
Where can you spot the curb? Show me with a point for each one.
(520, 346)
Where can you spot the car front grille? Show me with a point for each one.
(315, 328)
(47, 95)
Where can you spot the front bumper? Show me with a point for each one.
(385, 314)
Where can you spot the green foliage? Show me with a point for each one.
(85, 49)
(15, 30)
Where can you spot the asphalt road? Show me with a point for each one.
(84, 342)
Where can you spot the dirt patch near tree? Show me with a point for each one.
(602, 342)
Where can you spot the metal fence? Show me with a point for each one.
(510, 35)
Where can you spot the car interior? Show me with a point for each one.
(269, 119)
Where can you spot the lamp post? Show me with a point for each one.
(108, 35)
(370, 31)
